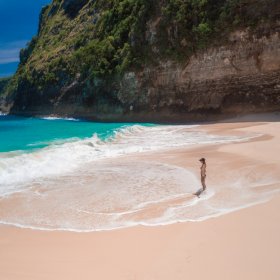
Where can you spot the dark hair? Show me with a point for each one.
(202, 160)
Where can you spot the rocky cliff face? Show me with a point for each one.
(240, 77)
(238, 72)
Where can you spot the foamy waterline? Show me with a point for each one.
(131, 225)
(55, 118)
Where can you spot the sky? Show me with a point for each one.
(18, 24)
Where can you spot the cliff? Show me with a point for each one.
(159, 60)
(3, 84)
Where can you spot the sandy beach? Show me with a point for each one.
(243, 244)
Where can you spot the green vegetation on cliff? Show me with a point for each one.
(118, 34)
(98, 38)
(195, 24)
(103, 38)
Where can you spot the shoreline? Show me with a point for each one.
(163, 119)
(171, 223)
(243, 244)
(154, 159)
(240, 245)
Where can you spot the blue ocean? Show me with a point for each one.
(19, 133)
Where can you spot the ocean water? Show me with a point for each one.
(18, 133)
(67, 174)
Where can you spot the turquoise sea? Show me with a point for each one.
(19, 133)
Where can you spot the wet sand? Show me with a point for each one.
(241, 245)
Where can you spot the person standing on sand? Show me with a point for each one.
(203, 173)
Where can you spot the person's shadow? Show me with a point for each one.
(199, 192)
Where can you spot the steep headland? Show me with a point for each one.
(150, 60)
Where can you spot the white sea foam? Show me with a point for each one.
(53, 142)
(54, 118)
(84, 185)
(3, 114)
